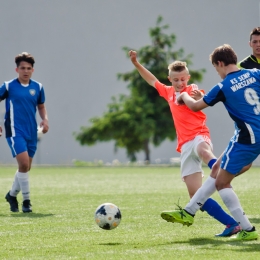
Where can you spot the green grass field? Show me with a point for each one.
(64, 200)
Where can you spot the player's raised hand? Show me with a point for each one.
(133, 55)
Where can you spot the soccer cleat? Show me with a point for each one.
(244, 235)
(12, 201)
(229, 231)
(27, 207)
(179, 216)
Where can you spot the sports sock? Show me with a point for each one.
(201, 195)
(15, 187)
(211, 162)
(231, 200)
(215, 210)
(23, 178)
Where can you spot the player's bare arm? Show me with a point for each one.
(146, 74)
(43, 114)
(195, 105)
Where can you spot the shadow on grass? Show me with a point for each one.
(254, 220)
(110, 244)
(29, 215)
(244, 246)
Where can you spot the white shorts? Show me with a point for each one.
(190, 161)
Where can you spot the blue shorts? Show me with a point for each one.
(238, 155)
(19, 144)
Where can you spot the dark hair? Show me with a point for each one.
(223, 53)
(24, 56)
(255, 31)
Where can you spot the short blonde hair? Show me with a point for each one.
(178, 66)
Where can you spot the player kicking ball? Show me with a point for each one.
(240, 93)
(193, 137)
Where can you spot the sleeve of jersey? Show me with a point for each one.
(41, 98)
(239, 65)
(162, 89)
(214, 96)
(3, 92)
(256, 73)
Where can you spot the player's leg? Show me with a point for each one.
(31, 147)
(204, 151)
(236, 156)
(232, 202)
(17, 145)
(193, 182)
(190, 162)
(23, 161)
(191, 173)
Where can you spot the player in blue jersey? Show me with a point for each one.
(23, 97)
(240, 93)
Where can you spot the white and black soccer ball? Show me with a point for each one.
(108, 216)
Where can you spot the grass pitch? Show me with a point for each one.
(64, 200)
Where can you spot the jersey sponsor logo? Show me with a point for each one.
(32, 92)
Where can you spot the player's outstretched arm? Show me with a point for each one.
(145, 73)
(195, 105)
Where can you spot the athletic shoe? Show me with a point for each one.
(229, 231)
(27, 207)
(179, 216)
(12, 201)
(244, 235)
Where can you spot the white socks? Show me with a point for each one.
(15, 187)
(231, 200)
(23, 179)
(201, 195)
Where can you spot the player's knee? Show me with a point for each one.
(222, 184)
(24, 166)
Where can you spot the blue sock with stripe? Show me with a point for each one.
(215, 211)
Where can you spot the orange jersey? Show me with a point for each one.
(188, 124)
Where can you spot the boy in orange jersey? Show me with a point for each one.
(193, 137)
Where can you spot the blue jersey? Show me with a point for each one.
(240, 94)
(21, 104)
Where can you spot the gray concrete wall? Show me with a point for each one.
(77, 46)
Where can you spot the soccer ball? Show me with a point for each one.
(107, 216)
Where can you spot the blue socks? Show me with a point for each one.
(215, 211)
(211, 162)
